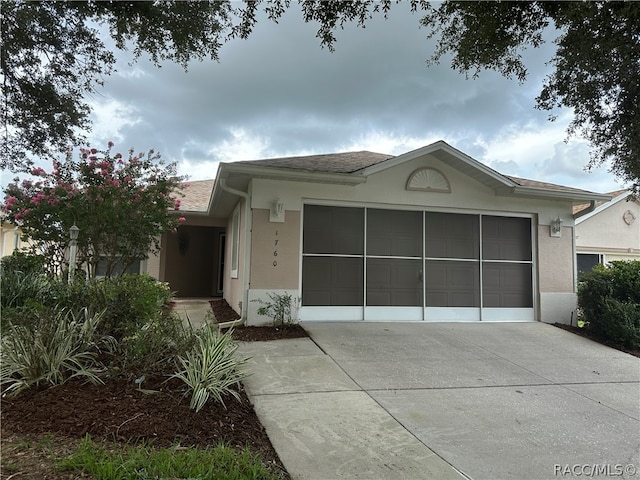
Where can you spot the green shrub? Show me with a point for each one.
(609, 297)
(23, 284)
(58, 345)
(129, 302)
(210, 368)
(155, 345)
(23, 262)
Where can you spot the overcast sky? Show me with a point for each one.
(279, 94)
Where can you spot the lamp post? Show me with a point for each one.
(73, 247)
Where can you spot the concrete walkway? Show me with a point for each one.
(445, 401)
(196, 311)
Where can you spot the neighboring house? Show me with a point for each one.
(430, 235)
(607, 231)
(10, 239)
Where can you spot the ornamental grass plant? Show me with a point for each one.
(211, 369)
(55, 346)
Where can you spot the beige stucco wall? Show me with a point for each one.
(275, 251)
(606, 232)
(555, 261)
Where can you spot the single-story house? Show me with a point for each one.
(430, 235)
(607, 231)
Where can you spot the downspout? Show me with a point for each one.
(587, 210)
(247, 255)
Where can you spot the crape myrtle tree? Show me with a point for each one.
(121, 204)
(53, 54)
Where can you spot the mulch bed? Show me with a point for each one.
(119, 411)
(583, 332)
(224, 313)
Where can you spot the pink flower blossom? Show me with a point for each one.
(182, 219)
(176, 204)
(110, 144)
(18, 216)
(94, 151)
(38, 172)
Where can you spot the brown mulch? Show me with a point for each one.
(583, 332)
(224, 313)
(119, 411)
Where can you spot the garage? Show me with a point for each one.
(385, 264)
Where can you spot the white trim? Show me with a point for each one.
(322, 314)
(235, 241)
(393, 314)
(508, 315)
(452, 314)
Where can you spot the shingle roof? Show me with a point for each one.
(346, 162)
(197, 196)
(545, 185)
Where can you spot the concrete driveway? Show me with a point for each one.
(438, 401)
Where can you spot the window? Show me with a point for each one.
(586, 262)
(235, 241)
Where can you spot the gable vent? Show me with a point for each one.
(428, 179)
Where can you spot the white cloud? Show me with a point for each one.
(111, 119)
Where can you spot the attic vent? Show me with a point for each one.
(428, 180)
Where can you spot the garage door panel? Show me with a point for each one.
(507, 285)
(332, 281)
(394, 233)
(394, 282)
(452, 283)
(333, 230)
(506, 238)
(449, 235)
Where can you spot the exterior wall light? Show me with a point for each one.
(276, 212)
(555, 227)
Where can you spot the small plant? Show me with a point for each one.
(210, 368)
(281, 309)
(58, 345)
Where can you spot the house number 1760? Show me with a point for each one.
(275, 252)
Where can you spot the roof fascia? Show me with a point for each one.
(553, 194)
